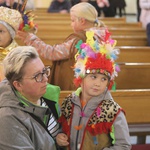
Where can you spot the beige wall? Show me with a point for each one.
(131, 5)
(42, 3)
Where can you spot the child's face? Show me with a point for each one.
(75, 23)
(5, 38)
(94, 84)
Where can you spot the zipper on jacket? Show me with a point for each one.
(76, 143)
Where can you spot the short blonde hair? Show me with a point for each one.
(87, 11)
(16, 60)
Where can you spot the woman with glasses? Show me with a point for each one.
(26, 120)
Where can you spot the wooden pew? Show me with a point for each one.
(126, 99)
(134, 54)
(64, 19)
(130, 54)
(121, 40)
(136, 105)
(133, 76)
(114, 31)
(135, 73)
(127, 31)
(130, 40)
(44, 15)
(135, 68)
(66, 23)
(40, 9)
(54, 31)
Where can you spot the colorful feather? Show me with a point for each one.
(78, 127)
(82, 114)
(98, 111)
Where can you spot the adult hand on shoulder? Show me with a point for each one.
(62, 139)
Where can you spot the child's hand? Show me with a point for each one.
(22, 35)
(62, 139)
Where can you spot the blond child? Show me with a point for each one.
(83, 17)
(90, 118)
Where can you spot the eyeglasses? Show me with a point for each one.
(39, 77)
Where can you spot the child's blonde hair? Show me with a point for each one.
(87, 11)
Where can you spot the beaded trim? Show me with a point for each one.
(101, 71)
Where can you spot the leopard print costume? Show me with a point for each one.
(108, 110)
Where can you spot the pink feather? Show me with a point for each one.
(98, 111)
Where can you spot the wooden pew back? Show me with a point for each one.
(135, 103)
(135, 68)
(134, 54)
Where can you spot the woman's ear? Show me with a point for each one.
(17, 85)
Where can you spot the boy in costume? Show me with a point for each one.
(90, 117)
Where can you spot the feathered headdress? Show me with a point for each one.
(28, 17)
(95, 57)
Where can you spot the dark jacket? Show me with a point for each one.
(56, 6)
(118, 3)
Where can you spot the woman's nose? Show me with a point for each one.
(45, 78)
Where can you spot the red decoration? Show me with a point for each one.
(100, 62)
